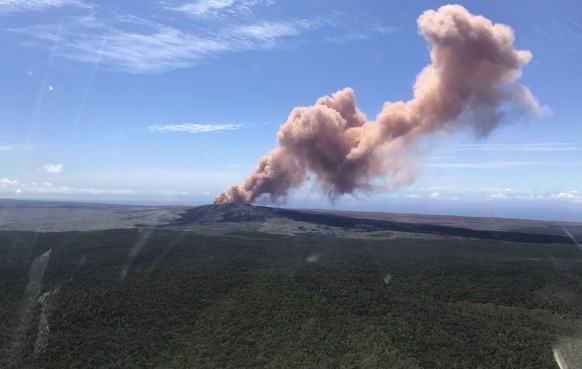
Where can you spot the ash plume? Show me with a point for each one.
(471, 83)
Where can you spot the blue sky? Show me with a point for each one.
(173, 101)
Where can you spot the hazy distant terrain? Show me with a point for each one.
(48, 216)
(246, 287)
(217, 219)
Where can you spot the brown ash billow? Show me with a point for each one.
(471, 83)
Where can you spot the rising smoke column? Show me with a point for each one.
(471, 83)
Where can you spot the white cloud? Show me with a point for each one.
(49, 188)
(203, 7)
(347, 37)
(144, 184)
(53, 168)
(213, 8)
(10, 186)
(503, 164)
(493, 194)
(217, 8)
(192, 32)
(195, 128)
(9, 6)
(575, 196)
(165, 49)
(157, 48)
(362, 33)
(265, 31)
(6, 182)
(532, 147)
(385, 30)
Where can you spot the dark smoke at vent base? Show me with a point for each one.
(471, 83)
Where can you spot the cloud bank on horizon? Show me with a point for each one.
(472, 84)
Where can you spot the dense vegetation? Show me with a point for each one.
(167, 299)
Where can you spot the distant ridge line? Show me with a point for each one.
(244, 213)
